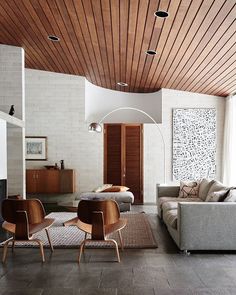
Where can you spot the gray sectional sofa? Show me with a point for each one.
(195, 224)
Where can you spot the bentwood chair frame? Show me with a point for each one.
(99, 218)
(24, 218)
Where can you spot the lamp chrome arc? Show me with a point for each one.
(96, 127)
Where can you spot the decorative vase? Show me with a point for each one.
(62, 164)
(12, 110)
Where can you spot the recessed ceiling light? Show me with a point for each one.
(122, 84)
(53, 38)
(161, 13)
(151, 52)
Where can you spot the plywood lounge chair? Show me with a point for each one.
(24, 218)
(99, 219)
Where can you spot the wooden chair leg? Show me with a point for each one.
(41, 248)
(5, 250)
(49, 240)
(117, 249)
(81, 250)
(121, 240)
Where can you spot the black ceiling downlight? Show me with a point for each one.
(53, 38)
(122, 84)
(161, 13)
(151, 52)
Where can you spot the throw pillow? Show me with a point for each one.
(217, 186)
(188, 189)
(204, 188)
(231, 197)
(217, 196)
(102, 188)
(116, 188)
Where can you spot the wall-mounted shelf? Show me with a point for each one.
(12, 120)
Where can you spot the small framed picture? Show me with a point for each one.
(36, 148)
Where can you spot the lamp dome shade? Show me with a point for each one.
(95, 127)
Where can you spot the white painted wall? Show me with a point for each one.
(3, 149)
(55, 105)
(153, 147)
(100, 101)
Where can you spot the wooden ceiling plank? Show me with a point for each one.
(94, 38)
(72, 41)
(205, 49)
(65, 38)
(181, 25)
(224, 84)
(218, 71)
(124, 16)
(141, 23)
(87, 38)
(11, 22)
(115, 22)
(212, 21)
(206, 69)
(106, 15)
(79, 55)
(171, 50)
(99, 23)
(223, 89)
(27, 20)
(168, 24)
(46, 20)
(133, 13)
(80, 40)
(222, 76)
(159, 22)
(230, 91)
(148, 34)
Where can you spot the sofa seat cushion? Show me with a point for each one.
(170, 205)
(164, 200)
(170, 218)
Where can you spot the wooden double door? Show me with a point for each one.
(123, 157)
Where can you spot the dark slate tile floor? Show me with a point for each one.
(161, 271)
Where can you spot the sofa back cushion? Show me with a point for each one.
(217, 186)
(204, 188)
(188, 189)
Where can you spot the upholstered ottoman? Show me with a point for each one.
(124, 199)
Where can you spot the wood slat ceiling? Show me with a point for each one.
(106, 40)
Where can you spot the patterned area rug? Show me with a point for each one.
(136, 235)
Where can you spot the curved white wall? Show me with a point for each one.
(100, 101)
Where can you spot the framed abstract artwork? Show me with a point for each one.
(36, 148)
(194, 143)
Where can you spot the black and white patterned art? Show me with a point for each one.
(194, 144)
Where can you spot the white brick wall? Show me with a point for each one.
(12, 92)
(55, 107)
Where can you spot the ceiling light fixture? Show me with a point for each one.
(161, 13)
(122, 84)
(151, 52)
(53, 38)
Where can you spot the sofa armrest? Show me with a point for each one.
(167, 191)
(207, 226)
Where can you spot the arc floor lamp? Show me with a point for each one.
(96, 127)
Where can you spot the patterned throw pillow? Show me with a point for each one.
(217, 196)
(231, 197)
(188, 189)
